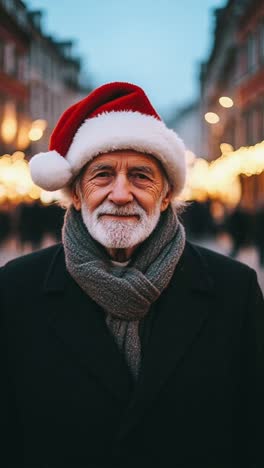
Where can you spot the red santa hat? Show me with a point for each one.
(114, 116)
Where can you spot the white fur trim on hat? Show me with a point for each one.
(112, 131)
(50, 170)
(129, 130)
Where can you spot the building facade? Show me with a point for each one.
(39, 79)
(14, 85)
(235, 68)
(187, 123)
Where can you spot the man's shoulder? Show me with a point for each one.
(31, 264)
(213, 256)
(221, 267)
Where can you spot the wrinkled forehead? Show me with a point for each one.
(126, 158)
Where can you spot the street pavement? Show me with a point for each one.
(247, 255)
(222, 244)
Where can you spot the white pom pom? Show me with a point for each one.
(50, 170)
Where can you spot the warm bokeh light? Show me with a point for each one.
(217, 180)
(37, 129)
(190, 157)
(226, 101)
(226, 148)
(18, 156)
(15, 181)
(22, 136)
(35, 134)
(211, 117)
(220, 179)
(40, 123)
(9, 123)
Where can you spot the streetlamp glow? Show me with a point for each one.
(226, 148)
(40, 123)
(211, 117)
(35, 134)
(9, 123)
(226, 101)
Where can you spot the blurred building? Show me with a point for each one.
(235, 69)
(39, 79)
(187, 123)
(15, 43)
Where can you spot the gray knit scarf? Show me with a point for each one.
(124, 293)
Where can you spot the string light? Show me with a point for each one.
(226, 101)
(9, 123)
(217, 180)
(35, 134)
(211, 117)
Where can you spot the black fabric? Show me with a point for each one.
(145, 328)
(68, 398)
(127, 293)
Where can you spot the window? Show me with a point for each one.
(2, 47)
(252, 120)
(248, 128)
(255, 125)
(261, 41)
(22, 68)
(262, 120)
(9, 58)
(259, 123)
(251, 53)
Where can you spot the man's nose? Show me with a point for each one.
(121, 191)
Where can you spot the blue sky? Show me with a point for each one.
(156, 44)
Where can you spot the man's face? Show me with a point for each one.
(121, 198)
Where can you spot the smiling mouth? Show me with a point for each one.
(123, 217)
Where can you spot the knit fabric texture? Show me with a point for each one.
(125, 293)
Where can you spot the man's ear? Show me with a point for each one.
(166, 200)
(76, 199)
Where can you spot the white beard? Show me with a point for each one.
(118, 234)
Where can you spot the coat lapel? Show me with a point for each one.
(80, 323)
(181, 312)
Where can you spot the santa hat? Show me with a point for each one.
(114, 116)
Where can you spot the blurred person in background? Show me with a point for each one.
(5, 225)
(198, 221)
(36, 221)
(259, 233)
(125, 345)
(239, 227)
(29, 226)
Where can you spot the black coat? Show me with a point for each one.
(68, 398)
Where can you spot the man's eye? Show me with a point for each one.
(103, 174)
(140, 176)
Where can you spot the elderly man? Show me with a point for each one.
(126, 346)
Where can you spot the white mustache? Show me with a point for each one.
(121, 211)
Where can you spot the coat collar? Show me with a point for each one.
(192, 270)
(80, 323)
(181, 311)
